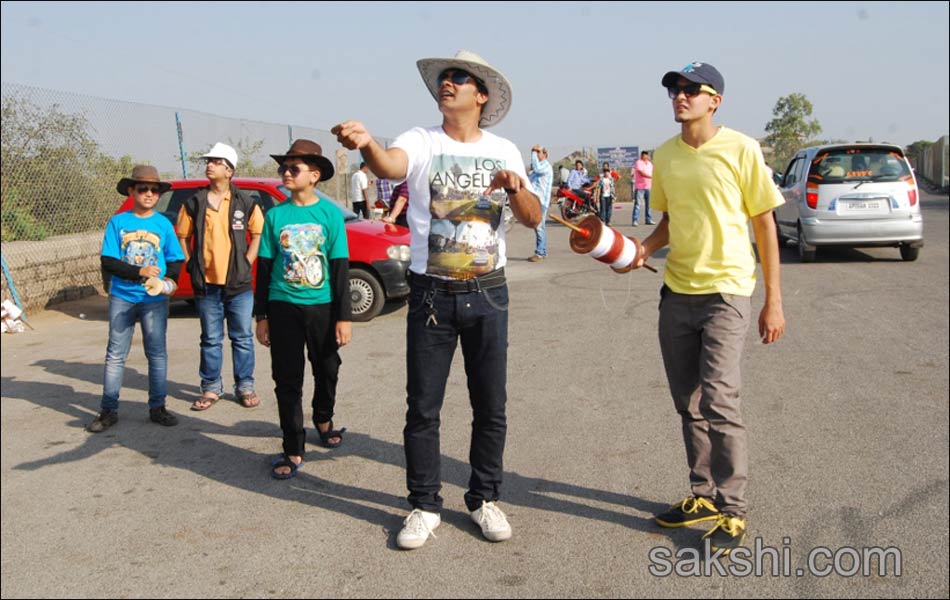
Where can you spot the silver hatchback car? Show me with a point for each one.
(855, 195)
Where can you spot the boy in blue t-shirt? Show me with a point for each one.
(138, 245)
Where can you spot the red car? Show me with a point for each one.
(379, 252)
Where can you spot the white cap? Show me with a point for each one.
(224, 151)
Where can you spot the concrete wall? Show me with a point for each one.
(55, 270)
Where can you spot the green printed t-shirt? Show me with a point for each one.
(710, 193)
(303, 240)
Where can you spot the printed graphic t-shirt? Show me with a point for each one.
(143, 242)
(303, 240)
(455, 226)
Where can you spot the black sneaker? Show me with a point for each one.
(105, 420)
(689, 511)
(727, 534)
(162, 417)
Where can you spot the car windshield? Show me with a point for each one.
(845, 165)
(348, 215)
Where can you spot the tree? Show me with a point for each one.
(915, 152)
(55, 179)
(791, 129)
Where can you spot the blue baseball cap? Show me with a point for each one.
(697, 72)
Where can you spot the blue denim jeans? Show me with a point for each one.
(480, 320)
(641, 196)
(214, 308)
(541, 234)
(122, 318)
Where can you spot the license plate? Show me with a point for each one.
(862, 205)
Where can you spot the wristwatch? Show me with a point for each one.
(260, 318)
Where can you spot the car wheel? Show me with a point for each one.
(909, 254)
(806, 252)
(366, 295)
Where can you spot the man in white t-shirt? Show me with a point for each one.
(360, 183)
(459, 176)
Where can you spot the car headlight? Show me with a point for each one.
(398, 252)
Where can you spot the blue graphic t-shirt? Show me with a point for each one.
(303, 240)
(142, 242)
(454, 225)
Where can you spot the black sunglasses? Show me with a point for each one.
(294, 170)
(148, 188)
(690, 90)
(459, 77)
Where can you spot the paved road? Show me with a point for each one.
(848, 417)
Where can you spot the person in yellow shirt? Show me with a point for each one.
(219, 228)
(710, 182)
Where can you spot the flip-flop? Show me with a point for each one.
(284, 461)
(210, 397)
(249, 399)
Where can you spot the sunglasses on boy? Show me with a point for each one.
(148, 188)
(459, 77)
(294, 170)
(690, 90)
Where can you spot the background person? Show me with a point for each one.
(213, 227)
(138, 244)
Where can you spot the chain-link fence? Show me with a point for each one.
(63, 153)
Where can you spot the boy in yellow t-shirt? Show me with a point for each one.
(710, 182)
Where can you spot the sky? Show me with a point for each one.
(584, 74)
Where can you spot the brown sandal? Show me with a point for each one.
(207, 400)
(249, 399)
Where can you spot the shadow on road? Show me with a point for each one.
(192, 446)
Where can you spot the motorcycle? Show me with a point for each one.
(577, 203)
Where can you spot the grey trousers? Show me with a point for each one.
(701, 338)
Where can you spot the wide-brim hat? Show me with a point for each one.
(499, 89)
(142, 174)
(310, 151)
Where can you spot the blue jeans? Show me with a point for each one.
(480, 320)
(213, 309)
(641, 196)
(122, 318)
(541, 234)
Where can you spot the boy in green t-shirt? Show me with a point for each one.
(710, 182)
(301, 300)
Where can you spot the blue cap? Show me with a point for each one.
(697, 72)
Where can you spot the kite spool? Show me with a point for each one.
(155, 286)
(604, 243)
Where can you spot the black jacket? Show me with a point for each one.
(239, 269)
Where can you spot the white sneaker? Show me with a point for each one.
(417, 528)
(493, 522)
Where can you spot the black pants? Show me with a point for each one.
(480, 321)
(294, 327)
(360, 208)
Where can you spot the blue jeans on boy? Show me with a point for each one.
(480, 320)
(642, 196)
(541, 234)
(214, 308)
(122, 318)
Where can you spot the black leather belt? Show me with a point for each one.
(460, 286)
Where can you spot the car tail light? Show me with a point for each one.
(811, 197)
(912, 194)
